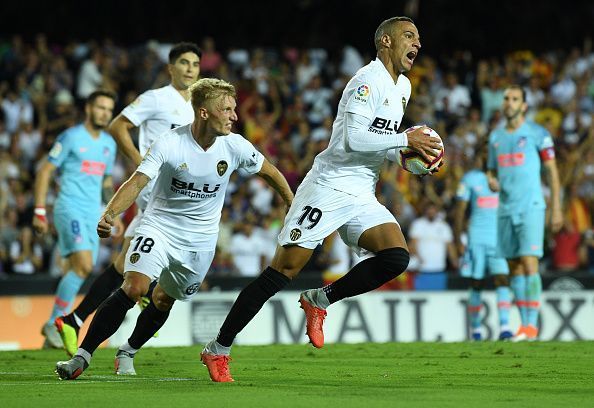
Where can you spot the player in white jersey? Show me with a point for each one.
(175, 241)
(338, 194)
(154, 112)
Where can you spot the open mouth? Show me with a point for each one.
(411, 56)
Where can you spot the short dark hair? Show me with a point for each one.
(387, 27)
(520, 88)
(181, 48)
(101, 92)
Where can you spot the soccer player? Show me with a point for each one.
(84, 156)
(154, 112)
(514, 166)
(480, 253)
(338, 194)
(175, 241)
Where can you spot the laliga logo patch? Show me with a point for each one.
(295, 234)
(134, 257)
(362, 94)
(222, 167)
(193, 288)
(56, 150)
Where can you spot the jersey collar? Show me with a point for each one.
(384, 71)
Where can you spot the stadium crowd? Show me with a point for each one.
(286, 104)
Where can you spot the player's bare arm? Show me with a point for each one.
(493, 182)
(277, 181)
(554, 184)
(459, 216)
(42, 181)
(120, 130)
(107, 192)
(122, 199)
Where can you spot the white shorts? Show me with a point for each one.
(317, 211)
(180, 272)
(131, 229)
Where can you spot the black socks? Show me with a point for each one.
(149, 322)
(107, 320)
(249, 302)
(369, 274)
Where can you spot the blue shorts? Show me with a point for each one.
(521, 234)
(77, 232)
(480, 258)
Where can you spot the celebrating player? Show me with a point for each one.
(154, 112)
(515, 155)
(84, 155)
(175, 241)
(338, 194)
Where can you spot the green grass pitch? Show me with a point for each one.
(487, 374)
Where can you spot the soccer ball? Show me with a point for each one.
(413, 162)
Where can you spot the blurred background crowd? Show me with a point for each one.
(287, 99)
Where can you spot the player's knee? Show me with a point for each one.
(394, 260)
(477, 284)
(135, 287)
(500, 280)
(83, 269)
(162, 300)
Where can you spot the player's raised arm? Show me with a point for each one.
(120, 130)
(42, 181)
(277, 181)
(122, 199)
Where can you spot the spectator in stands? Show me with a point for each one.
(432, 243)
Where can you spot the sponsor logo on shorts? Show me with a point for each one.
(222, 167)
(295, 234)
(193, 288)
(134, 257)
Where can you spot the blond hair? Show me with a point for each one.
(206, 90)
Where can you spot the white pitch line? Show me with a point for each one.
(103, 379)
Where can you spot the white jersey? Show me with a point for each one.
(189, 190)
(371, 93)
(155, 112)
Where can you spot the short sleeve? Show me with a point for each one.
(154, 158)
(143, 108)
(463, 191)
(416, 229)
(363, 96)
(61, 149)
(545, 144)
(248, 157)
(447, 233)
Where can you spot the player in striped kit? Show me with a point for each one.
(480, 253)
(516, 153)
(84, 156)
(154, 112)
